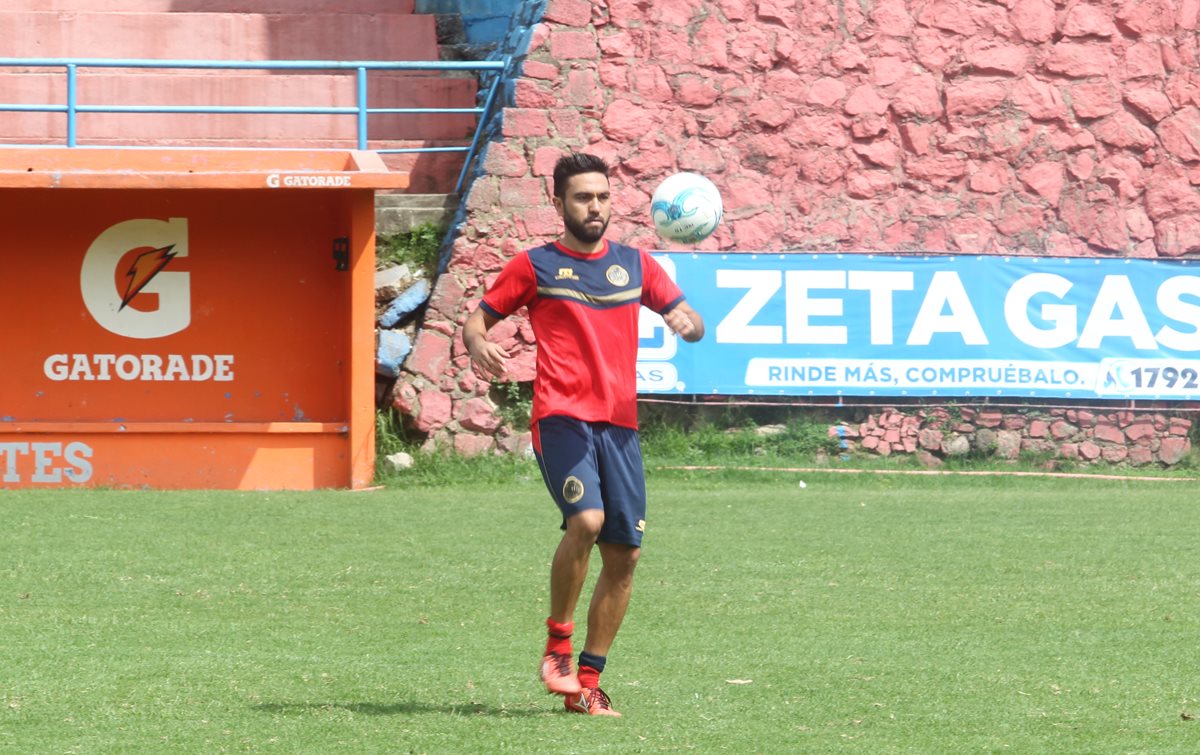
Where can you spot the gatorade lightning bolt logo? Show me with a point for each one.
(145, 266)
(107, 260)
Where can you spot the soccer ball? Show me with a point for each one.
(686, 207)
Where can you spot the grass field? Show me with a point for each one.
(880, 614)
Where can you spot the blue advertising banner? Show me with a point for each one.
(887, 325)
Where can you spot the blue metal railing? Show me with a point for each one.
(491, 76)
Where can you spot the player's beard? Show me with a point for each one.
(588, 234)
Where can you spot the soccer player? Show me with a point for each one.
(583, 295)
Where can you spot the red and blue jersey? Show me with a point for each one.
(584, 312)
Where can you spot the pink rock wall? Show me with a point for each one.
(1021, 126)
(1082, 436)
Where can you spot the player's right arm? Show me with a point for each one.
(514, 288)
(487, 357)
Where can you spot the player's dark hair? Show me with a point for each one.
(572, 165)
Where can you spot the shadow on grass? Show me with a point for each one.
(401, 709)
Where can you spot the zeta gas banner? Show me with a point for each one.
(885, 325)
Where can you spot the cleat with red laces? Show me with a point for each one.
(559, 675)
(592, 701)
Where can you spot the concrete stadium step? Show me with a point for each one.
(220, 36)
(238, 30)
(237, 88)
(428, 172)
(400, 213)
(214, 6)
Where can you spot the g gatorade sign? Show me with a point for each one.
(158, 242)
(302, 181)
(168, 306)
(176, 319)
(130, 290)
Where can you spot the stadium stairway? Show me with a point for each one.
(401, 212)
(238, 30)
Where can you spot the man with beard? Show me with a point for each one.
(584, 294)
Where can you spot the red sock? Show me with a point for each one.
(559, 640)
(589, 677)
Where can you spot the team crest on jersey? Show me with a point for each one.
(572, 489)
(617, 275)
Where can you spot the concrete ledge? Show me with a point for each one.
(220, 36)
(400, 213)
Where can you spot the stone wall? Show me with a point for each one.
(1085, 436)
(1025, 127)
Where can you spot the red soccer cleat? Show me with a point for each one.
(591, 701)
(558, 673)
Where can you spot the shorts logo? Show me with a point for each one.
(572, 490)
(617, 276)
(641, 525)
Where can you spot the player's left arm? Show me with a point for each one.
(685, 322)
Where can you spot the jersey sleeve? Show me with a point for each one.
(659, 292)
(515, 287)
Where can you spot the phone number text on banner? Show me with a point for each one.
(886, 325)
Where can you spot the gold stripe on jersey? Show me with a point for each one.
(620, 297)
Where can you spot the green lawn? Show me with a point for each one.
(862, 613)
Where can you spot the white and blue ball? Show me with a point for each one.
(686, 208)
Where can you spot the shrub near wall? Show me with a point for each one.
(947, 126)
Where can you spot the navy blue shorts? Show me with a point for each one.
(594, 465)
